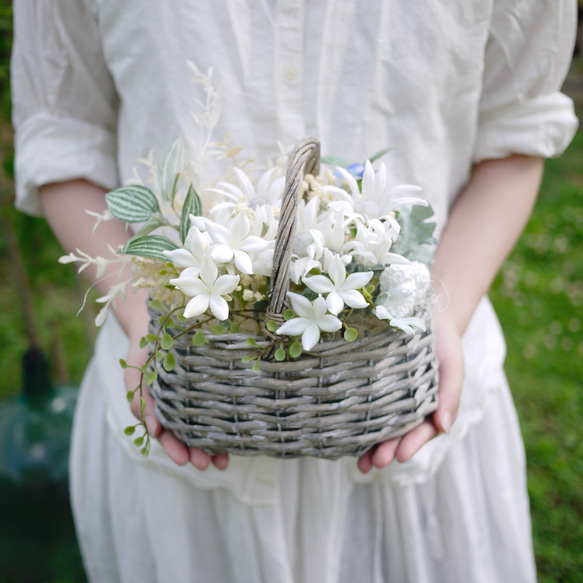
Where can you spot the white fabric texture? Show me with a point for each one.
(99, 83)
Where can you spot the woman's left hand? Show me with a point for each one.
(448, 349)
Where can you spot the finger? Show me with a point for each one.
(221, 461)
(411, 443)
(199, 459)
(176, 450)
(365, 461)
(385, 452)
(451, 376)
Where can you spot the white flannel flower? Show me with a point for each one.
(313, 317)
(206, 291)
(193, 254)
(377, 200)
(232, 242)
(340, 289)
(267, 194)
(372, 244)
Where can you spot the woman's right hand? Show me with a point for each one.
(134, 318)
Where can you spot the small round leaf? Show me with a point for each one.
(279, 354)
(272, 325)
(350, 334)
(295, 349)
(169, 362)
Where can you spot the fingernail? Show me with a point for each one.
(446, 421)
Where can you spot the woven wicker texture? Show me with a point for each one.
(339, 399)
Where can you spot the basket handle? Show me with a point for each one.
(304, 159)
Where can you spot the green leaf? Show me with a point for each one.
(149, 246)
(218, 329)
(143, 342)
(272, 325)
(192, 206)
(169, 167)
(123, 363)
(157, 305)
(334, 161)
(350, 334)
(130, 430)
(144, 368)
(257, 367)
(159, 355)
(248, 358)
(288, 314)
(235, 329)
(132, 204)
(295, 349)
(130, 396)
(252, 342)
(138, 441)
(379, 154)
(166, 341)
(150, 377)
(169, 362)
(279, 354)
(144, 451)
(199, 338)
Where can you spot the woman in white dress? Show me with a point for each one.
(466, 93)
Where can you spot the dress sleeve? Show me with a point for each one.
(64, 99)
(528, 53)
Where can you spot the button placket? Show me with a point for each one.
(289, 74)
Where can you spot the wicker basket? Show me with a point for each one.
(338, 399)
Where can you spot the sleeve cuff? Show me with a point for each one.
(541, 127)
(51, 149)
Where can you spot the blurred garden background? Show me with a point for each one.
(538, 295)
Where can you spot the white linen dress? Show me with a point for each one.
(98, 83)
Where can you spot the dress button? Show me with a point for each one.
(291, 73)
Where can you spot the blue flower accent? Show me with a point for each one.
(357, 170)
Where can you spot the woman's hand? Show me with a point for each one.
(450, 357)
(483, 226)
(136, 327)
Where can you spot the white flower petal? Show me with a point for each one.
(254, 244)
(243, 262)
(311, 336)
(197, 306)
(329, 323)
(294, 327)
(301, 305)
(209, 272)
(334, 303)
(319, 284)
(353, 298)
(319, 307)
(222, 253)
(190, 286)
(239, 227)
(337, 271)
(357, 280)
(219, 307)
(181, 257)
(218, 233)
(225, 284)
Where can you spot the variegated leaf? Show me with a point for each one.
(132, 204)
(168, 169)
(149, 246)
(192, 206)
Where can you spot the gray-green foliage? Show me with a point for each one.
(416, 241)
